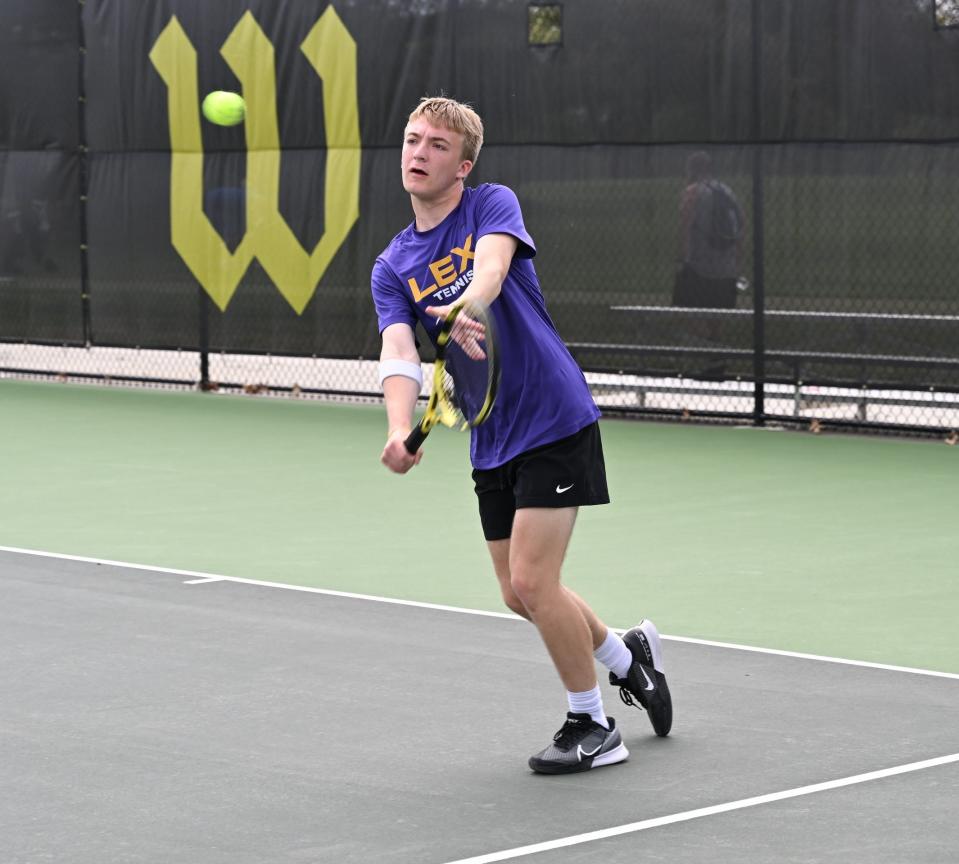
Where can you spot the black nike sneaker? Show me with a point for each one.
(645, 681)
(581, 744)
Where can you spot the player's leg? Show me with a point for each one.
(588, 738)
(546, 478)
(582, 742)
(549, 484)
(499, 554)
(537, 548)
(609, 648)
(579, 461)
(634, 661)
(527, 567)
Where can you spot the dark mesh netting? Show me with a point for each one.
(743, 209)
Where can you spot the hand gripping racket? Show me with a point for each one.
(465, 374)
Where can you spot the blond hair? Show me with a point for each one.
(455, 116)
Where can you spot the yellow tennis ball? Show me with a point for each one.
(224, 108)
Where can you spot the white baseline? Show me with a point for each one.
(199, 577)
(632, 827)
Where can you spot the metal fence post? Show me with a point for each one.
(759, 299)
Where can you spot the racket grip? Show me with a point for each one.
(415, 439)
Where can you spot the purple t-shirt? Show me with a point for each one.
(543, 395)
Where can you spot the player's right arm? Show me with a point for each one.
(400, 394)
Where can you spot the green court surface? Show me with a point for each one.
(834, 545)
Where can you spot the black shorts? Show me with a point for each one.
(570, 472)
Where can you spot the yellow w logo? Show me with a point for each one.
(332, 52)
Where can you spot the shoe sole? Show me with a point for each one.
(660, 708)
(617, 754)
(655, 645)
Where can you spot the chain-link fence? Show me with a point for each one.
(849, 315)
(757, 223)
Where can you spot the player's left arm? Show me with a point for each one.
(494, 254)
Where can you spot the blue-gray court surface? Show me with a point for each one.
(156, 711)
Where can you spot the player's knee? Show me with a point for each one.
(513, 602)
(529, 588)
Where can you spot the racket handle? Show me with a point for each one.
(415, 439)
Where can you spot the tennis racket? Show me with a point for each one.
(465, 374)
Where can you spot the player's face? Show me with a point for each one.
(432, 160)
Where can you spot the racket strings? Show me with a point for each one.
(452, 410)
(467, 374)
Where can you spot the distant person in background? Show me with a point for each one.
(712, 228)
(25, 230)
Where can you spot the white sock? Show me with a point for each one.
(588, 702)
(614, 654)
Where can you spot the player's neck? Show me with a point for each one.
(429, 213)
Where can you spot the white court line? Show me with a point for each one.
(801, 656)
(200, 577)
(632, 827)
(216, 577)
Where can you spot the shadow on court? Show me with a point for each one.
(149, 720)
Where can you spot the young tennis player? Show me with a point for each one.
(538, 457)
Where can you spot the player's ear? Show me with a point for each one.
(465, 167)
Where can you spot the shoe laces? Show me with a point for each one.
(570, 733)
(627, 699)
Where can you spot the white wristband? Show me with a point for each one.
(401, 367)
